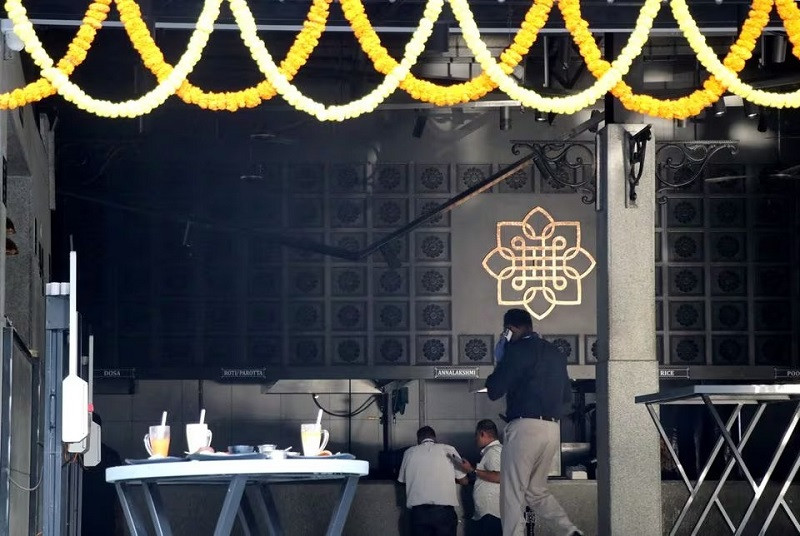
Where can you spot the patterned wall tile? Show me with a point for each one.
(433, 350)
(390, 282)
(348, 351)
(306, 281)
(728, 281)
(433, 315)
(349, 316)
(685, 247)
(432, 281)
(773, 315)
(428, 205)
(261, 251)
(307, 351)
(773, 281)
(684, 212)
(658, 246)
(733, 186)
(264, 316)
(475, 349)
(389, 212)
(521, 181)
(728, 247)
(351, 241)
(430, 247)
(390, 178)
(659, 281)
(348, 281)
(687, 350)
(686, 280)
(591, 348)
(297, 254)
(727, 212)
(391, 350)
(774, 350)
(432, 178)
(567, 345)
(729, 350)
(773, 247)
(265, 283)
(728, 316)
(468, 175)
(348, 212)
(306, 212)
(773, 211)
(266, 350)
(397, 248)
(221, 316)
(391, 316)
(659, 315)
(306, 178)
(347, 178)
(306, 316)
(686, 316)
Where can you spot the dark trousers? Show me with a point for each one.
(488, 525)
(433, 520)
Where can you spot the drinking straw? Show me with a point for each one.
(164, 419)
(319, 418)
(202, 416)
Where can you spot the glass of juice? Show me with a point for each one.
(157, 441)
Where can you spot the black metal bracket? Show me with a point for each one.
(558, 162)
(637, 148)
(680, 164)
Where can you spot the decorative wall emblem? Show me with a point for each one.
(539, 263)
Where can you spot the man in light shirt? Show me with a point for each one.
(486, 491)
(430, 474)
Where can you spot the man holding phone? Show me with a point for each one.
(486, 490)
(532, 374)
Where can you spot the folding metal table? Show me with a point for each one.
(252, 477)
(738, 396)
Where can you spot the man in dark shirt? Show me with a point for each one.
(532, 374)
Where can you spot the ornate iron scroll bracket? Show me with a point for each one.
(680, 164)
(563, 165)
(637, 148)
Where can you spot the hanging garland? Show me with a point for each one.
(247, 25)
(76, 53)
(709, 60)
(683, 107)
(302, 47)
(425, 91)
(561, 105)
(131, 108)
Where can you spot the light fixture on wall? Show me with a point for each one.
(539, 116)
(505, 118)
(10, 229)
(751, 111)
(680, 123)
(779, 46)
(11, 248)
(763, 123)
(720, 108)
(13, 42)
(439, 41)
(419, 124)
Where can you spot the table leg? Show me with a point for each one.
(779, 500)
(233, 497)
(261, 498)
(155, 505)
(714, 499)
(348, 492)
(132, 518)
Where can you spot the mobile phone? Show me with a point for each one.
(507, 334)
(455, 458)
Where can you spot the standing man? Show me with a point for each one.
(532, 374)
(486, 491)
(430, 474)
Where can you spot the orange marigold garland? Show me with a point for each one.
(76, 53)
(683, 107)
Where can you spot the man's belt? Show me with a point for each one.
(538, 417)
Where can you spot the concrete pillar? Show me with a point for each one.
(628, 453)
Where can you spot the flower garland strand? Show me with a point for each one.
(76, 52)
(131, 108)
(426, 91)
(366, 104)
(302, 47)
(790, 15)
(561, 105)
(708, 59)
(682, 107)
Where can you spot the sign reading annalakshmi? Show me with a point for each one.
(455, 373)
(243, 374)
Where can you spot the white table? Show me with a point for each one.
(738, 396)
(251, 476)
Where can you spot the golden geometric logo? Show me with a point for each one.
(539, 263)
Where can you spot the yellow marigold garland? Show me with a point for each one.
(683, 107)
(790, 14)
(426, 91)
(302, 47)
(76, 53)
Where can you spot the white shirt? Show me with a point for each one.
(486, 495)
(430, 474)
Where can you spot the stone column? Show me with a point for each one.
(628, 453)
